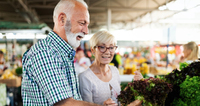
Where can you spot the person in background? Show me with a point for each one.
(190, 52)
(117, 60)
(49, 77)
(19, 61)
(149, 59)
(129, 59)
(82, 62)
(139, 59)
(100, 83)
(124, 58)
(2, 62)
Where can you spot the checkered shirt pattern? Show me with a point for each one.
(48, 72)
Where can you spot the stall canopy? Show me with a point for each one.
(109, 14)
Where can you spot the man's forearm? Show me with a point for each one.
(72, 102)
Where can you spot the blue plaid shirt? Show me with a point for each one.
(48, 72)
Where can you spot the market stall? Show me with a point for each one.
(10, 83)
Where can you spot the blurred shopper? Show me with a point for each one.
(49, 77)
(125, 56)
(149, 59)
(129, 59)
(19, 61)
(139, 59)
(117, 60)
(82, 62)
(2, 62)
(190, 51)
(100, 83)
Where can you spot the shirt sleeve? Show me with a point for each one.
(85, 88)
(50, 76)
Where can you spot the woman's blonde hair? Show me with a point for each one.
(194, 55)
(102, 37)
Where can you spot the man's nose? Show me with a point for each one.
(85, 30)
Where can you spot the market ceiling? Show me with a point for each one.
(34, 14)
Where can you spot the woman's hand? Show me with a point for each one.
(135, 103)
(182, 58)
(109, 102)
(137, 76)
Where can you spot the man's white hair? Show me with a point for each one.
(67, 7)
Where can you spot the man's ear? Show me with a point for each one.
(62, 19)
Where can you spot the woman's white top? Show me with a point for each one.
(94, 90)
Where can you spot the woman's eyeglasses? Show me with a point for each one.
(103, 49)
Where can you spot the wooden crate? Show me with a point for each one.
(12, 82)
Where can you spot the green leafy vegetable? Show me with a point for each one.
(183, 65)
(176, 78)
(19, 70)
(153, 92)
(189, 92)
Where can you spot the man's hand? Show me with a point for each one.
(109, 102)
(135, 103)
(137, 76)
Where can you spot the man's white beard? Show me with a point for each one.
(71, 37)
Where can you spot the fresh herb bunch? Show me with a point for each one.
(183, 65)
(189, 92)
(177, 77)
(19, 70)
(153, 92)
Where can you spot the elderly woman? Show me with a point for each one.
(100, 83)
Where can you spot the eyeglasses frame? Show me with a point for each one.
(106, 48)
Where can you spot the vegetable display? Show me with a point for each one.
(189, 92)
(176, 78)
(178, 88)
(153, 92)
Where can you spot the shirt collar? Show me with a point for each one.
(61, 44)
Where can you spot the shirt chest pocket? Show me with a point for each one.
(68, 66)
(67, 63)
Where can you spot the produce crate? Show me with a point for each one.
(12, 82)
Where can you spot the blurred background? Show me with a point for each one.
(150, 35)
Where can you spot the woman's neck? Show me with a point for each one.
(99, 68)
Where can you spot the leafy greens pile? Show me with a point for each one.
(189, 92)
(178, 88)
(153, 92)
(180, 81)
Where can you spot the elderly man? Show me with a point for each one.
(49, 77)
